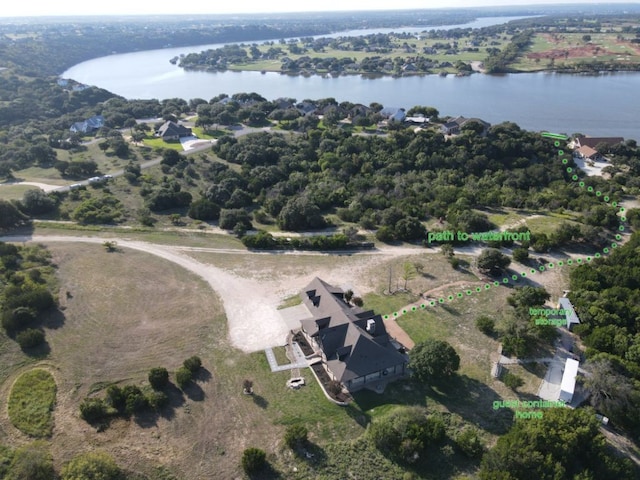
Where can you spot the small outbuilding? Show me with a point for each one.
(568, 385)
(569, 313)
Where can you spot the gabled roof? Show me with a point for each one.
(587, 151)
(355, 342)
(594, 141)
(569, 312)
(93, 123)
(172, 129)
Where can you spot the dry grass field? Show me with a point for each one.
(129, 311)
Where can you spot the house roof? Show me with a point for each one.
(355, 342)
(93, 123)
(172, 129)
(569, 312)
(587, 151)
(594, 141)
(568, 384)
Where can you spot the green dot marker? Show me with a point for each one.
(541, 268)
(598, 193)
(560, 263)
(575, 177)
(441, 300)
(468, 292)
(487, 286)
(450, 297)
(570, 262)
(614, 204)
(621, 228)
(432, 303)
(618, 236)
(614, 245)
(569, 170)
(623, 219)
(532, 271)
(579, 260)
(505, 280)
(422, 305)
(413, 309)
(606, 199)
(478, 289)
(560, 152)
(581, 184)
(589, 189)
(605, 250)
(565, 161)
(551, 265)
(597, 255)
(395, 314)
(524, 274)
(459, 295)
(588, 259)
(514, 277)
(556, 143)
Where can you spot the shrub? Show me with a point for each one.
(193, 364)
(183, 377)
(157, 400)
(520, 255)
(253, 460)
(115, 398)
(470, 443)
(93, 410)
(29, 338)
(512, 381)
(17, 318)
(334, 387)
(32, 462)
(295, 436)
(485, 324)
(90, 466)
(135, 401)
(158, 378)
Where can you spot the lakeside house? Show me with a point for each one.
(353, 344)
(452, 127)
(171, 131)
(585, 147)
(392, 114)
(89, 125)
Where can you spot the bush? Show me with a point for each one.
(135, 401)
(115, 398)
(486, 324)
(470, 443)
(17, 318)
(158, 378)
(512, 381)
(253, 460)
(92, 466)
(157, 400)
(93, 410)
(295, 436)
(183, 377)
(521, 255)
(193, 364)
(29, 338)
(31, 462)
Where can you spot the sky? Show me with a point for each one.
(13, 8)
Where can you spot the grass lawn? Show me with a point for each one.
(155, 142)
(290, 301)
(14, 192)
(31, 403)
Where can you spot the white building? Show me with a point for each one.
(568, 384)
(570, 314)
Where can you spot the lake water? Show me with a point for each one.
(601, 105)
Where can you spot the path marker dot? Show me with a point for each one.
(524, 274)
(575, 177)
(589, 189)
(560, 152)
(395, 314)
(598, 193)
(487, 286)
(422, 305)
(581, 184)
(514, 277)
(588, 259)
(432, 303)
(478, 289)
(386, 317)
(505, 280)
(570, 262)
(532, 271)
(551, 265)
(569, 170)
(459, 294)
(606, 199)
(496, 283)
(441, 300)
(605, 250)
(621, 228)
(450, 297)
(565, 161)
(560, 263)
(413, 309)
(614, 204)
(468, 292)
(614, 245)
(556, 143)
(541, 268)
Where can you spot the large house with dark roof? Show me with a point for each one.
(89, 125)
(453, 127)
(172, 131)
(354, 345)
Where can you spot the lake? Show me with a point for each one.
(597, 105)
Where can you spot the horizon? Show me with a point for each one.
(75, 8)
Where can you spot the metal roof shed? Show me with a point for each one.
(568, 384)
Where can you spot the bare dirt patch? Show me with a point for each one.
(582, 51)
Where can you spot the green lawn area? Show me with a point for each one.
(31, 403)
(290, 301)
(155, 142)
(14, 192)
